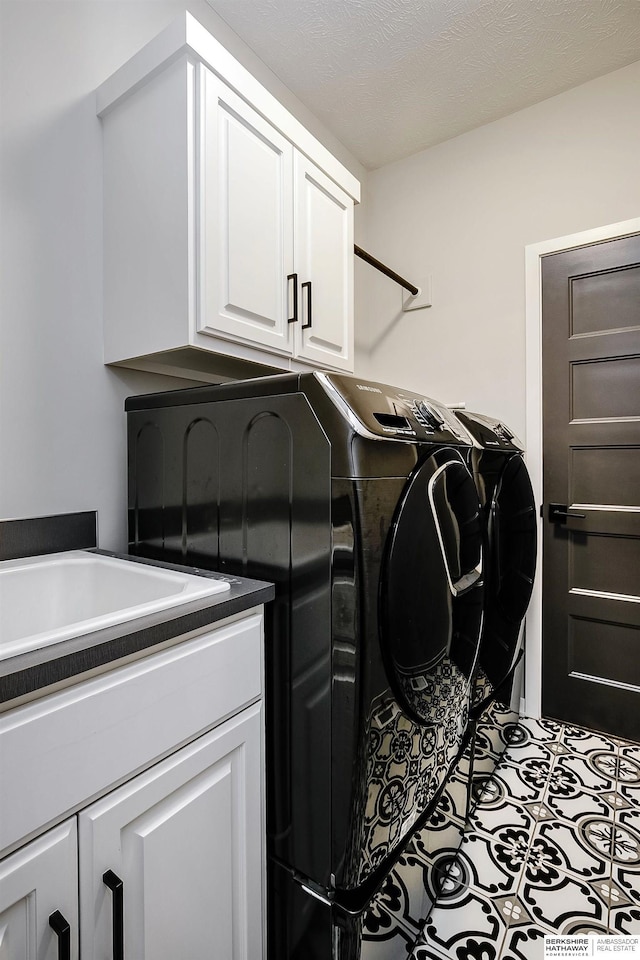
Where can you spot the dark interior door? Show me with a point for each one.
(591, 472)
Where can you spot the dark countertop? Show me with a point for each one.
(27, 673)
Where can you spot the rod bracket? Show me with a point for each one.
(418, 301)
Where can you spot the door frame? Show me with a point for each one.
(533, 413)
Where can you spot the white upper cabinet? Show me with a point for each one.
(228, 226)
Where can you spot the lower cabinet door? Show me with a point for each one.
(39, 898)
(172, 863)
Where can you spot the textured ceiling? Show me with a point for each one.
(392, 77)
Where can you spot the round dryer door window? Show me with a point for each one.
(431, 584)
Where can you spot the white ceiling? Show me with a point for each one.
(392, 77)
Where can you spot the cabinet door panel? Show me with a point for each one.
(39, 879)
(324, 255)
(186, 840)
(246, 221)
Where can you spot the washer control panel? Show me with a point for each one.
(380, 411)
(489, 433)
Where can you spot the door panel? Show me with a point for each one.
(605, 301)
(36, 882)
(605, 388)
(591, 423)
(607, 650)
(246, 231)
(185, 838)
(604, 564)
(605, 475)
(324, 256)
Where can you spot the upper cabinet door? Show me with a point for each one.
(324, 261)
(246, 221)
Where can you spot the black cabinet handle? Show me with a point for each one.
(559, 513)
(117, 889)
(307, 285)
(294, 277)
(62, 931)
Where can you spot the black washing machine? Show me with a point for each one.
(510, 524)
(355, 499)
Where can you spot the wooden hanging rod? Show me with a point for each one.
(388, 272)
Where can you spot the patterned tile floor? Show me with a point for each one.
(554, 847)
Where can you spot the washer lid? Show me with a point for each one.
(431, 583)
(382, 412)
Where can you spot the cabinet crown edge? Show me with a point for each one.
(187, 36)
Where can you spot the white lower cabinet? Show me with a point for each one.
(184, 840)
(150, 780)
(39, 882)
(170, 864)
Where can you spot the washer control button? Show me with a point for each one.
(427, 416)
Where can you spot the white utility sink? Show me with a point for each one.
(47, 599)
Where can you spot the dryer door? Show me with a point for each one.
(513, 540)
(512, 548)
(431, 584)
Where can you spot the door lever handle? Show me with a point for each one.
(560, 513)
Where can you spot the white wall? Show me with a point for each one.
(62, 425)
(463, 211)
